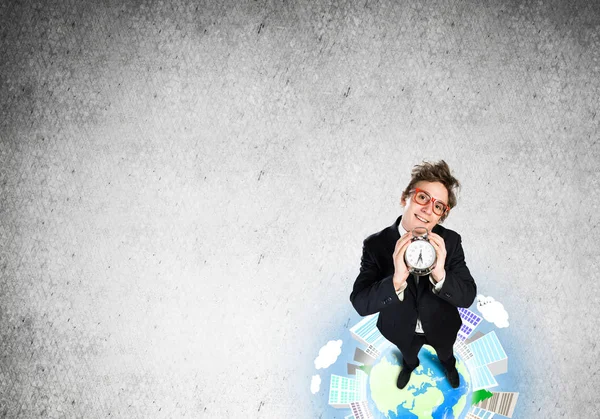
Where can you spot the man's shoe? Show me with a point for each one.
(403, 378)
(452, 376)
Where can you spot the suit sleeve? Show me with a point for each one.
(371, 291)
(459, 287)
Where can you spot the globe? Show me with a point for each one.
(428, 394)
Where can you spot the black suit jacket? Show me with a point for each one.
(374, 291)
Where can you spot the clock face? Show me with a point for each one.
(420, 254)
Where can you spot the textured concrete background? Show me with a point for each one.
(185, 189)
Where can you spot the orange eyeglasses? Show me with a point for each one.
(422, 198)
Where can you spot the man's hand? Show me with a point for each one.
(401, 272)
(438, 271)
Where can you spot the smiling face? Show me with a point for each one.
(416, 215)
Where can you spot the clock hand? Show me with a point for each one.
(420, 257)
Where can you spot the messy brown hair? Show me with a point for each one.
(434, 172)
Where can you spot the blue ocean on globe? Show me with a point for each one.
(428, 393)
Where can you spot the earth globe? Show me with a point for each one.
(428, 393)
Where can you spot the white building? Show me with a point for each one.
(502, 403)
(360, 410)
(487, 350)
(345, 390)
(366, 332)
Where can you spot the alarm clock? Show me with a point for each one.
(420, 255)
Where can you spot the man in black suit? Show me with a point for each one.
(417, 310)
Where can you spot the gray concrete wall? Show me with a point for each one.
(185, 188)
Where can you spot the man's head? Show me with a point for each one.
(430, 182)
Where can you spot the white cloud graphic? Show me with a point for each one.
(328, 354)
(492, 310)
(315, 384)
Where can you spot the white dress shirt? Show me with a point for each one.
(400, 292)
